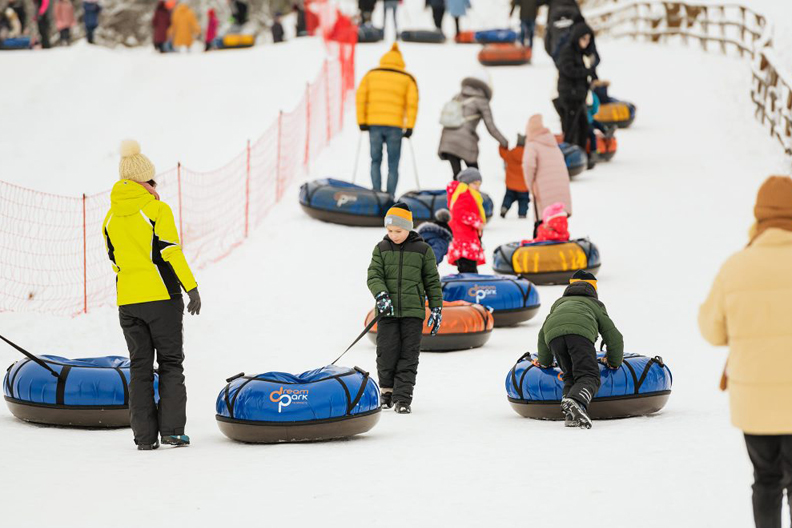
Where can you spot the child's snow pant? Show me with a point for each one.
(577, 358)
(771, 456)
(523, 199)
(466, 265)
(398, 348)
(155, 328)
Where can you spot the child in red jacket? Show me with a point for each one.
(467, 221)
(211, 29)
(554, 224)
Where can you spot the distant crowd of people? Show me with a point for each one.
(175, 25)
(15, 23)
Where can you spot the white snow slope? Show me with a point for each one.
(672, 205)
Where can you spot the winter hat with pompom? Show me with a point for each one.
(443, 215)
(134, 166)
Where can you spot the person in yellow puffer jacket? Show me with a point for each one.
(143, 245)
(184, 28)
(387, 106)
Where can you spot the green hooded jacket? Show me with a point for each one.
(408, 272)
(580, 312)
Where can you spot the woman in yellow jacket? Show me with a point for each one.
(184, 27)
(748, 310)
(151, 271)
(387, 106)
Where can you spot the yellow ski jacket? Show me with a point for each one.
(388, 95)
(143, 244)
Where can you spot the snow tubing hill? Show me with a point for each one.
(547, 262)
(496, 36)
(642, 385)
(234, 41)
(512, 300)
(276, 407)
(339, 202)
(424, 204)
(90, 392)
(464, 326)
(16, 43)
(576, 159)
(368, 34)
(423, 36)
(618, 113)
(504, 55)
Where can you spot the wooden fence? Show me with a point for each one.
(729, 28)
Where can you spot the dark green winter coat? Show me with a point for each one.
(580, 312)
(408, 272)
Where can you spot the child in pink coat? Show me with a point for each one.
(546, 174)
(64, 20)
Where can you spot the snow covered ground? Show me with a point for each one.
(676, 200)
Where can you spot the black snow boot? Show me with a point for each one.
(503, 212)
(593, 159)
(569, 421)
(148, 447)
(386, 400)
(576, 412)
(176, 440)
(403, 408)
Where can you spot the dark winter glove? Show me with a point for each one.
(384, 304)
(364, 128)
(408, 133)
(194, 306)
(604, 361)
(435, 318)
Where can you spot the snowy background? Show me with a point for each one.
(673, 204)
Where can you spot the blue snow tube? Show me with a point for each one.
(512, 300)
(323, 404)
(496, 36)
(16, 43)
(424, 204)
(642, 385)
(339, 202)
(576, 159)
(90, 392)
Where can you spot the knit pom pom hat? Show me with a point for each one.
(134, 166)
(399, 216)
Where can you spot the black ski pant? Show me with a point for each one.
(577, 358)
(466, 266)
(771, 456)
(398, 348)
(456, 164)
(155, 329)
(574, 121)
(438, 13)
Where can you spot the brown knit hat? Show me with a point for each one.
(774, 205)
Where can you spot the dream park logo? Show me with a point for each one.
(481, 292)
(341, 198)
(285, 397)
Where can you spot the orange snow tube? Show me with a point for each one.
(466, 37)
(502, 54)
(464, 326)
(606, 147)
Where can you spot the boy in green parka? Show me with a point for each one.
(402, 274)
(569, 333)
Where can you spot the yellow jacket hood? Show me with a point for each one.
(393, 59)
(128, 198)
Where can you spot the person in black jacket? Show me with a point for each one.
(576, 71)
(278, 34)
